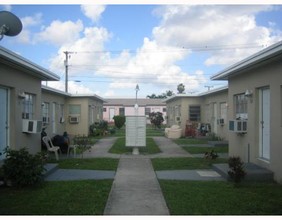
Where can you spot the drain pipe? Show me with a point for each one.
(248, 152)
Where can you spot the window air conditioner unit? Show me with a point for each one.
(238, 126)
(31, 126)
(73, 119)
(220, 121)
(177, 118)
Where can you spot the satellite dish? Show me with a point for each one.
(10, 24)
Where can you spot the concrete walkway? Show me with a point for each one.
(136, 190)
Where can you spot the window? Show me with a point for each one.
(74, 109)
(195, 113)
(45, 113)
(61, 113)
(104, 109)
(147, 111)
(241, 106)
(164, 109)
(121, 111)
(223, 110)
(28, 106)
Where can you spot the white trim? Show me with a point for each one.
(267, 53)
(32, 68)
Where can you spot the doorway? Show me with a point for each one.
(264, 123)
(4, 122)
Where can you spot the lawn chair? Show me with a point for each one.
(51, 147)
(72, 147)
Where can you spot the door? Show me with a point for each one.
(54, 118)
(112, 113)
(214, 121)
(4, 123)
(264, 130)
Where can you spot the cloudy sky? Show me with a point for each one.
(114, 47)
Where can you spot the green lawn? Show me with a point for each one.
(184, 163)
(89, 164)
(221, 198)
(85, 197)
(186, 141)
(120, 148)
(202, 150)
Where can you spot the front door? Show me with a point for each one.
(214, 121)
(4, 124)
(54, 118)
(264, 130)
(112, 114)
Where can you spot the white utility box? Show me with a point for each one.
(135, 131)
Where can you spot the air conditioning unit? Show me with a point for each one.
(73, 119)
(220, 121)
(239, 126)
(31, 126)
(177, 118)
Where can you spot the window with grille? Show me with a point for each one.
(28, 106)
(195, 113)
(147, 111)
(121, 111)
(45, 113)
(241, 106)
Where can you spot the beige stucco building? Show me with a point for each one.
(207, 108)
(255, 96)
(74, 114)
(20, 101)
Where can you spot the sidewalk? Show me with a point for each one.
(136, 190)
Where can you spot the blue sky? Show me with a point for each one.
(156, 46)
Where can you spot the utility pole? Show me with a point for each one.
(67, 68)
(209, 87)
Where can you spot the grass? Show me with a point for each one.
(186, 141)
(184, 163)
(86, 197)
(89, 164)
(120, 148)
(202, 150)
(221, 198)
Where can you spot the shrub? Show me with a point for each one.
(98, 128)
(119, 121)
(22, 168)
(236, 172)
(156, 119)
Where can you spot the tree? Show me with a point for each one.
(180, 88)
(119, 121)
(156, 118)
(161, 96)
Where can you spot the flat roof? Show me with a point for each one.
(16, 61)
(256, 59)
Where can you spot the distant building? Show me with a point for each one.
(125, 107)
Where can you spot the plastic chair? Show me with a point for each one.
(51, 147)
(72, 147)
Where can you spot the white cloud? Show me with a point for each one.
(28, 22)
(61, 33)
(221, 30)
(199, 26)
(73, 87)
(93, 12)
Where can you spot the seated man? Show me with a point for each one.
(62, 141)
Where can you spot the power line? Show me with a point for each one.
(180, 49)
